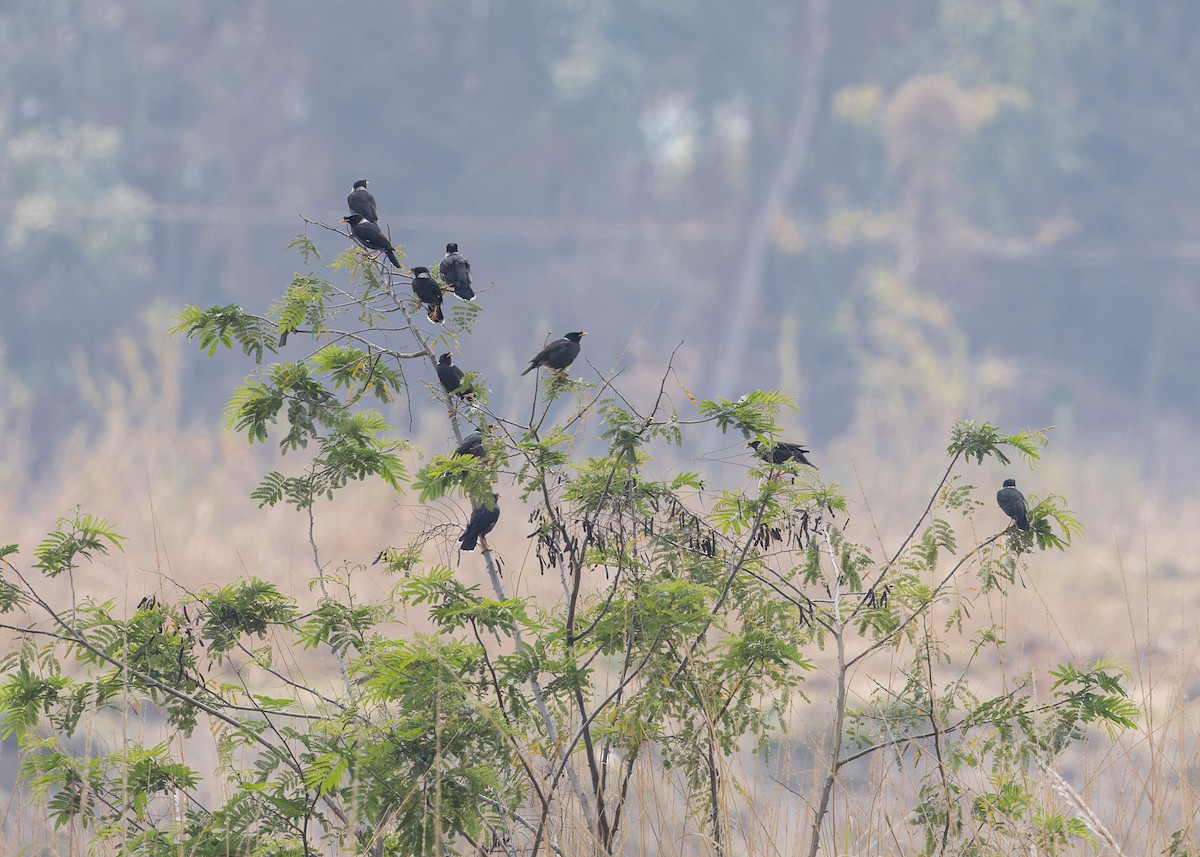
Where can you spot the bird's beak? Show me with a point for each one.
(583, 333)
(345, 220)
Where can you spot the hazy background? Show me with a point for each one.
(736, 177)
(902, 212)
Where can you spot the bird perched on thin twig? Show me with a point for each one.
(781, 451)
(1012, 503)
(452, 378)
(483, 520)
(371, 236)
(429, 293)
(455, 271)
(360, 201)
(472, 444)
(559, 354)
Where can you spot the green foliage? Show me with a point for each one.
(972, 440)
(257, 404)
(304, 302)
(26, 694)
(353, 449)
(308, 249)
(358, 370)
(468, 474)
(225, 325)
(245, 607)
(77, 537)
(350, 444)
(1095, 695)
(1053, 508)
(340, 627)
(1179, 846)
(626, 431)
(11, 595)
(753, 414)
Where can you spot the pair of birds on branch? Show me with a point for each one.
(1009, 498)
(486, 511)
(454, 269)
(558, 355)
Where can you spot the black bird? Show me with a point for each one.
(483, 520)
(452, 378)
(455, 271)
(1012, 503)
(361, 202)
(371, 236)
(559, 354)
(472, 444)
(781, 451)
(428, 292)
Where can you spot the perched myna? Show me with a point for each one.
(371, 236)
(361, 202)
(781, 451)
(455, 271)
(559, 354)
(483, 520)
(452, 378)
(1012, 502)
(472, 444)
(429, 293)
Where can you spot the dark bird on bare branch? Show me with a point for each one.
(455, 271)
(371, 236)
(559, 354)
(452, 378)
(483, 520)
(781, 451)
(361, 202)
(1012, 503)
(472, 444)
(429, 293)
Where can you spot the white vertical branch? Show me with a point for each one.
(795, 156)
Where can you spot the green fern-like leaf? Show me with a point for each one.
(270, 490)
(1053, 508)
(77, 537)
(308, 249)
(223, 326)
(754, 414)
(304, 302)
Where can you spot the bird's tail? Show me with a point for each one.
(435, 313)
(1023, 524)
(469, 540)
(391, 254)
(464, 291)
